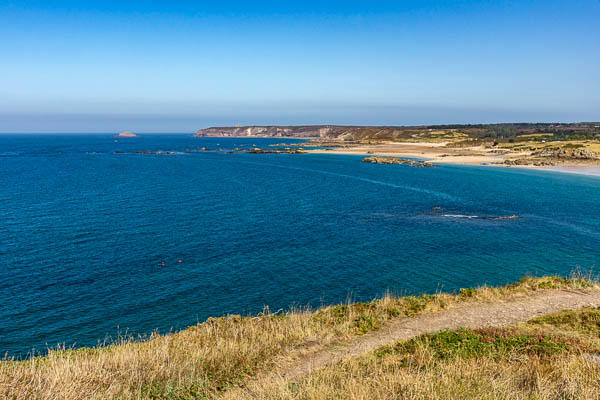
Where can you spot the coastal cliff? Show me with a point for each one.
(328, 132)
(493, 133)
(519, 144)
(315, 131)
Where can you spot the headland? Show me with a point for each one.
(529, 145)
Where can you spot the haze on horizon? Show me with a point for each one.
(108, 66)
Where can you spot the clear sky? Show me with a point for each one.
(176, 66)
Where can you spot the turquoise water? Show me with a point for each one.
(85, 231)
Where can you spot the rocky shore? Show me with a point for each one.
(256, 150)
(397, 160)
(550, 158)
(519, 144)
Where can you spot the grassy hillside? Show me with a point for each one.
(521, 132)
(551, 357)
(222, 354)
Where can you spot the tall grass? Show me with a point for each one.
(549, 358)
(206, 360)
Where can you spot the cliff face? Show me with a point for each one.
(315, 131)
(328, 132)
(340, 132)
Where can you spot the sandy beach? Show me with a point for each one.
(435, 152)
(438, 152)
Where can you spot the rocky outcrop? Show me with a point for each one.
(396, 160)
(571, 154)
(256, 150)
(551, 157)
(149, 152)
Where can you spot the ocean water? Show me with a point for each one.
(84, 232)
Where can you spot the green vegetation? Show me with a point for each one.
(490, 134)
(586, 320)
(497, 343)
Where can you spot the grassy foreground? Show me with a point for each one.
(549, 356)
(552, 357)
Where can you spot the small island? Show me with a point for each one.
(126, 134)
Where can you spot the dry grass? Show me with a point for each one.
(205, 360)
(541, 360)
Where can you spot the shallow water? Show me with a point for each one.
(582, 170)
(84, 232)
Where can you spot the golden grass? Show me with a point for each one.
(568, 377)
(595, 146)
(539, 361)
(205, 360)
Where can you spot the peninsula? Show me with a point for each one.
(516, 144)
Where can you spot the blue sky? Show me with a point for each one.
(86, 66)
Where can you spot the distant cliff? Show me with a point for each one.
(505, 131)
(330, 132)
(312, 131)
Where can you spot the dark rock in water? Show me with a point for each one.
(258, 150)
(156, 153)
(199, 149)
(397, 160)
(386, 160)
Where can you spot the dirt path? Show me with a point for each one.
(497, 313)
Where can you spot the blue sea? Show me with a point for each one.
(84, 232)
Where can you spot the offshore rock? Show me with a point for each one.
(127, 134)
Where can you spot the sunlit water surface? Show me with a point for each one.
(85, 231)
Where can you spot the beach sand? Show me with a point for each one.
(435, 152)
(438, 152)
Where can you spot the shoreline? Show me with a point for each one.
(577, 170)
(439, 154)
